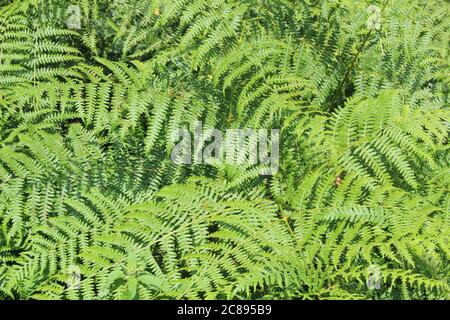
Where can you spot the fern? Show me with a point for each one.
(92, 206)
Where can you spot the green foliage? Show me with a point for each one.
(92, 207)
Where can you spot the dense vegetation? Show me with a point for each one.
(92, 207)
